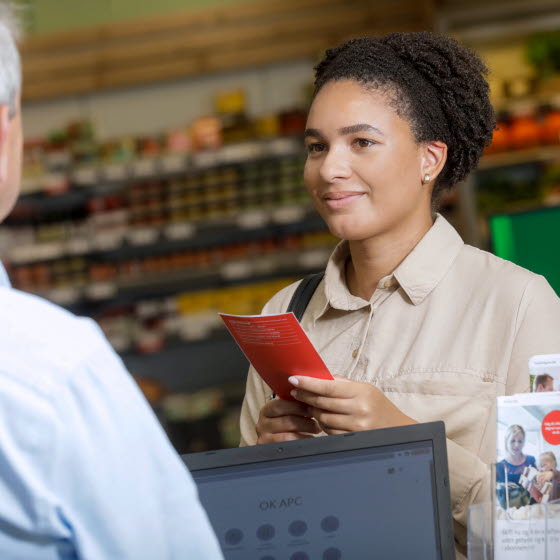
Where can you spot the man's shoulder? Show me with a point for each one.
(37, 337)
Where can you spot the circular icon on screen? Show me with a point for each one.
(330, 524)
(266, 532)
(299, 556)
(297, 528)
(332, 554)
(233, 537)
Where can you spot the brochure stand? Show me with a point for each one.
(529, 533)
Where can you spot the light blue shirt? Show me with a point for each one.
(85, 469)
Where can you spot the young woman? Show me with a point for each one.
(515, 460)
(417, 325)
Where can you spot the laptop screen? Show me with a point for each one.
(360, 503)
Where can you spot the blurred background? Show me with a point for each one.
(163, 169)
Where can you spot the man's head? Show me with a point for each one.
(544, 383)
(10, 117)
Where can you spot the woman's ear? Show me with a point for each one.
(432, 161)
(4, 146)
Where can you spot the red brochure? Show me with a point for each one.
(277, 347)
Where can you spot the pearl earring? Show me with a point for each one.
(426, 179)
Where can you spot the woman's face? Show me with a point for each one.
(364, 166)
(516, 443)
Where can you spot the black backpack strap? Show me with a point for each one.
(303, 294)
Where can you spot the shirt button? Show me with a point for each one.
(355, 353)
(387, 284)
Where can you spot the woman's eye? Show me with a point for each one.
(315, 148)
(363, 143)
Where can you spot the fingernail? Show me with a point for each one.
(293, 393)
(293, 380)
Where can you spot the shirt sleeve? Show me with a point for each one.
(538, 332)
(98, 476)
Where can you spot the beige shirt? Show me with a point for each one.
(451, 329)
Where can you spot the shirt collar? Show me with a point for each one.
(429, 261)
(417, 275)
(4, 280)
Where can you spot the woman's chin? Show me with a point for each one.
(349, 233)
(350, 228)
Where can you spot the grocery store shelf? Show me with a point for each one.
(258, 268)
(193, 365)
(113, 246)
(519, 157)
(103, 178)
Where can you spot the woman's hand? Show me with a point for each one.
(281, 420)
(342, 405)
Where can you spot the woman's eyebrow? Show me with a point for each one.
(315, 132)
(362, 127)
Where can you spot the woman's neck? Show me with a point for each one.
(516, 459)
(372, 259)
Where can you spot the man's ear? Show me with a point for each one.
(434, 156)
(4, 129)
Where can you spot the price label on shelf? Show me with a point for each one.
(207, 158)
(52, 250)
(288, 214)
(78, 246)
(284, 147)
(143, 236)
(182, 230)
(108, 240)
(85, 176)
(24, 254)
(244, 151)
(145, 167)
(101, 290)
(265, 265)
(55, 183)
(31, 184)
(64, 295)
(115, 172)
(174, 163)
(253, 219)
(236, 270)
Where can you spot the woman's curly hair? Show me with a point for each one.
(438, 85)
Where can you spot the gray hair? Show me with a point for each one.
(10, 66)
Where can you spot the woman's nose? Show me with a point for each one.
(335, 166)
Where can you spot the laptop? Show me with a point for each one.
(374, 494)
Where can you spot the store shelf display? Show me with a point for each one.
(153, 236)
(521, 168)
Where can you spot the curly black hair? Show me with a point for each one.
(435, 83)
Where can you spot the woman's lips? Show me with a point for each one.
(341, 199)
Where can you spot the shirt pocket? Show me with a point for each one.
(464, 400)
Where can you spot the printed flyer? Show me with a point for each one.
(544, 372)
(277, 348)
(527, 476)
